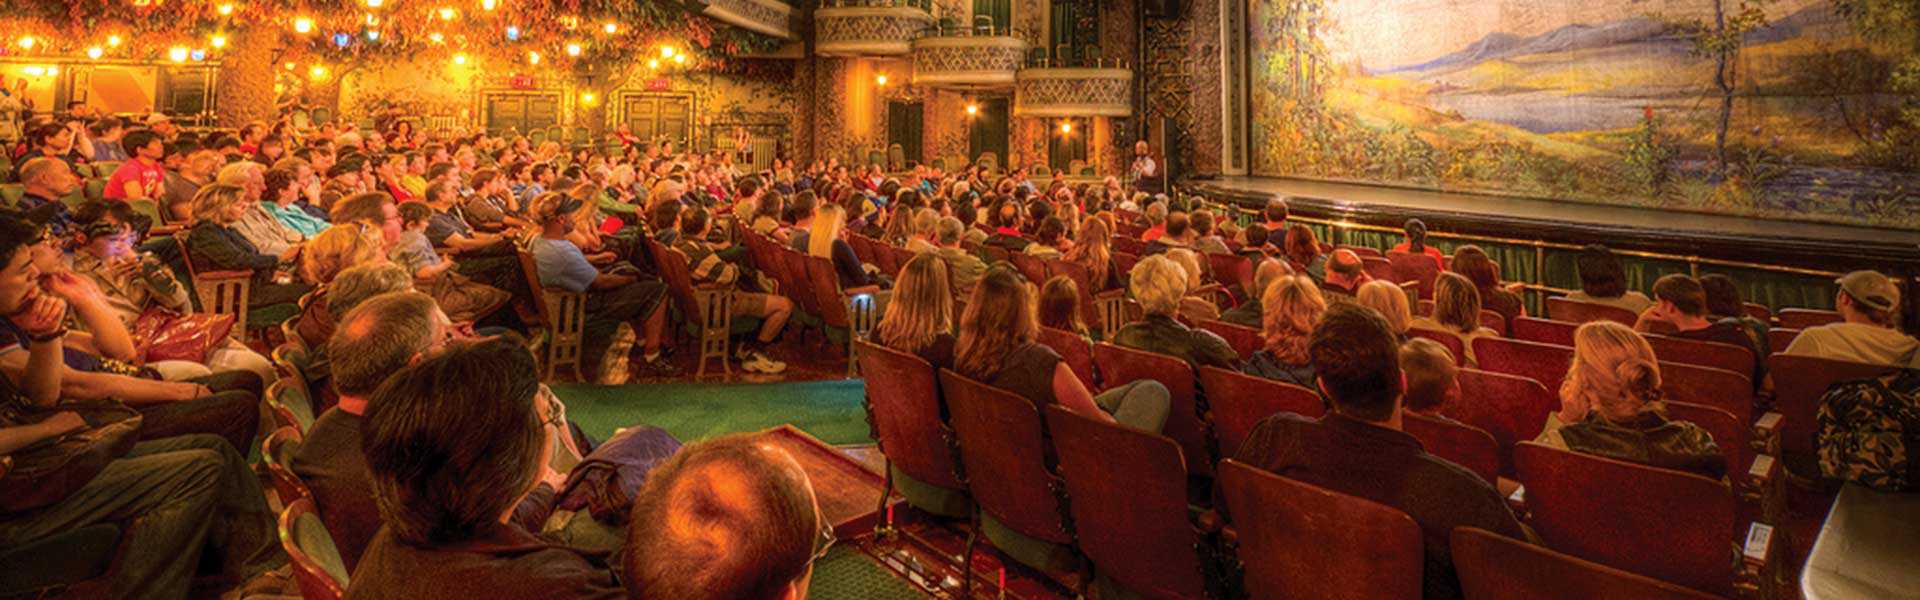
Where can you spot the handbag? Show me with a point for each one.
(164, 335)
(48, 471)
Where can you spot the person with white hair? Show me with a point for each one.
(1160, 284)
(260, 227)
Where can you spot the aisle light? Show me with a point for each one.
(653, 63)
(680, 59)
(588, 99)
(666, 52)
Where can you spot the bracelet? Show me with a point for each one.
(50, 336)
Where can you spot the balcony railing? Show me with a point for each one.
(982, 57)
(771, 17)
(870, 27)
(1101, 89)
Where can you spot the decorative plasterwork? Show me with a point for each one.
(764, 16)
(968, 61)
(1073, 92)
(868, 31)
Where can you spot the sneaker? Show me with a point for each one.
(658, 367)
(755, 362)
(614, 364)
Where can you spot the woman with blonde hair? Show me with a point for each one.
(1456, 311)
(919, 315)
(1390, 301)
(823, 240)
(338, 248)
(1293, 307)
(1611, 406)
(1094, 250)
(214, 245)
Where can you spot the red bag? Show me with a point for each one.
(164, 335)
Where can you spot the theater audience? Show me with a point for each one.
(965, 268)
(1680, 301)
(919, 318)
(258, 225)
(1472, 262)
(1867, 302)
(1303, 250)
(1603, 280)
(1358, 448)
(826, 240)
(1610, 405)
(214, 245)
(1293, 307)
(452, 444)
(464, 299)
(1456, 312)
(1345, 273)
(1432, 378)
(619, 302)
(1391, 302)
(726, 518)
(1195, 306)
(1249, 312)
(1160, 285)
(1093, 250)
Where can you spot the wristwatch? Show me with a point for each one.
(50, 336)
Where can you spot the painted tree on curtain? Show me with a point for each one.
(1897, 23)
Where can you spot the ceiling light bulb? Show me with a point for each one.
(303, 25)
(113, 41)
(95, 52)
(573, 50)
(446, 14)
(533, 58)
(178, 54)
(611, 28)
(218, 41)
(460, 59)
(225, 9)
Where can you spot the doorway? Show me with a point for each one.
(989, 131)
(659, 118)
(522, 112)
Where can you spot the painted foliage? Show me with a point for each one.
(1801, 109)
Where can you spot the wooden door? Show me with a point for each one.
(659, 117)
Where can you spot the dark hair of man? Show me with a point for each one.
(1684, 292)
(748, 186)
(138, 139)
(1256, 236)
(517, 168)
(483, 177)
(96, 211)
(801, 206)
(1050, 231)
(1356, 356)
(439, 188)
(224, 142)
(724, 518)
(364, 208)
(182, 148)
(277, 180)
(1177, 225)
(1416, 235)
(540, 169)
(44, 133)
(693, 220)
(1601, 274)
(305, 154)
(1006, 213)
(378, 337)
(454, 441)
(1723, 296)
(438, 170)
(16, 233)
(106, 124)
(415, 212)
(348, 163)
(1276, 210)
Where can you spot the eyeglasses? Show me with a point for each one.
(823, 542)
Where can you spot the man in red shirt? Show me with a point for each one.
(141, 178)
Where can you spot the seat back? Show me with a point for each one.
(1003, 439)
(1545, 331)
(1303, 541)
(1706, 354)
(1802, 318)
(276, 455)
(802, 289)
(824, 282)
(1719, 388)
(1083, 280)
(1779, 338)
(1463, 444)
(1232, 270)
(1496, 567)
(1732, 436)
(1123, 262)
(1129, 244)
(1186, 415)
(1798, 384)
(1545, 363)
(291, 405)
(1128, 495)
(1660, 523)
(1575, 311)
(1239, 401)
(1451, 341)
(1244, 340)
(1495, 321)
(1029, 266)
(1378, 267)
(564, 315)
(1076, 351)
(679, 277)
(1511, 409)
(1417, 268)
(909, 420)
(317, 566)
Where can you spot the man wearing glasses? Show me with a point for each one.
(728, 517)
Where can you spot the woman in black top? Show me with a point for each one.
(214, 245)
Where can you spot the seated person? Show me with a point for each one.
(726, 518)
(1049, 239)
(707, 266)
(1417, 243)
(1603, 280)
(1197, 306)
(963, 266)
(1390, 301)
(1474, 264)
(1724, 303)
(1456, 312)
(1294, 307)
(1432, 378)
(465, 300)
(1160, 285)
(215, 245)
(1005, 220)
(1249, 313)
(826, 241)
(1358, 448)
(1680, 301)
(317, 320)
(923, 232)
(1345, 273)
(452, 444)
(258, 225)
(281, 200)
(1060, 307)
(1610, 406)
(620, 303)
(1206, 240)
(919, 318)
(1302, 249)
(175, 497)
(1175, 234)
(1867, 302)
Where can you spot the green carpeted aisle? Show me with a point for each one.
(829, 410)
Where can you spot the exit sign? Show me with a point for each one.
(521, 82)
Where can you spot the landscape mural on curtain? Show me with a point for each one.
(1801, 109)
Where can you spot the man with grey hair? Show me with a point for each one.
(964, 268)
(923, 234)
(259, 227)
(1156, 221)
(47, 180)
(1160, 284)
(317, 321)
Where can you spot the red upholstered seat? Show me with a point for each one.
(1365, 251)
(1187, 421)
(1733, 437)
(1545, 331)
(1128, 497)
(1075, 350)
(276, 453)
(1417, 268)
(1124, 261)
(1663, 524)
(1511, 409)
(1719, 388)
(900, 257)
(1545, 363)
(993, 254)
(1758, 311)
(1378, 267)
(1802, 318)
(1232, 270)
(1245, 340)
(1029, 266)
(1779, 338)
(1129, 244)
(798, 286)
(909, 421)
(1002, 441)
(1239, 401)
(1798, 384)
(1495, 567)
(1464, 445)
(1493, 320)
(1575, 311)
(1705, 354)
(1302, 541)
(1451, 341)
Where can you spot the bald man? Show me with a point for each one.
(727, 518)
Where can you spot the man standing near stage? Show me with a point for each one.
(1145, 172)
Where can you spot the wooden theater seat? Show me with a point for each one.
(1779, 338)
(1798, 384)
(1451, 342)
(1725, 390)
(1496, 567)
(1076, 351)
(1511, 409)
(1002, 439)
(1462, 444)
(1244, 340)
(1575, 311)
(1545, 331)
(317, 566)
(1802, 318)
(276, 457)
(1033, 268)
(1755, 475)
(1239, 401)
(1187, 418)
(1128, 498)
(1702, 353)
(1419, 269)
(1302, 541)
(1545, 363)
(909, 420)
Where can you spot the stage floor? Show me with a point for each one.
(1343, 197)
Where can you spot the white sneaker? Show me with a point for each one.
(613, 364)
(755, 362)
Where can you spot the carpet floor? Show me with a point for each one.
(829, 410)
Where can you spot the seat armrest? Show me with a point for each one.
(223, 275)
(1763, 485)
(163, 230)
(6, 465)
(1766, 434)
(1757, 554)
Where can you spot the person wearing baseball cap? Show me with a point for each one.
(1867, 303)
(620, 300)
(163, 125)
